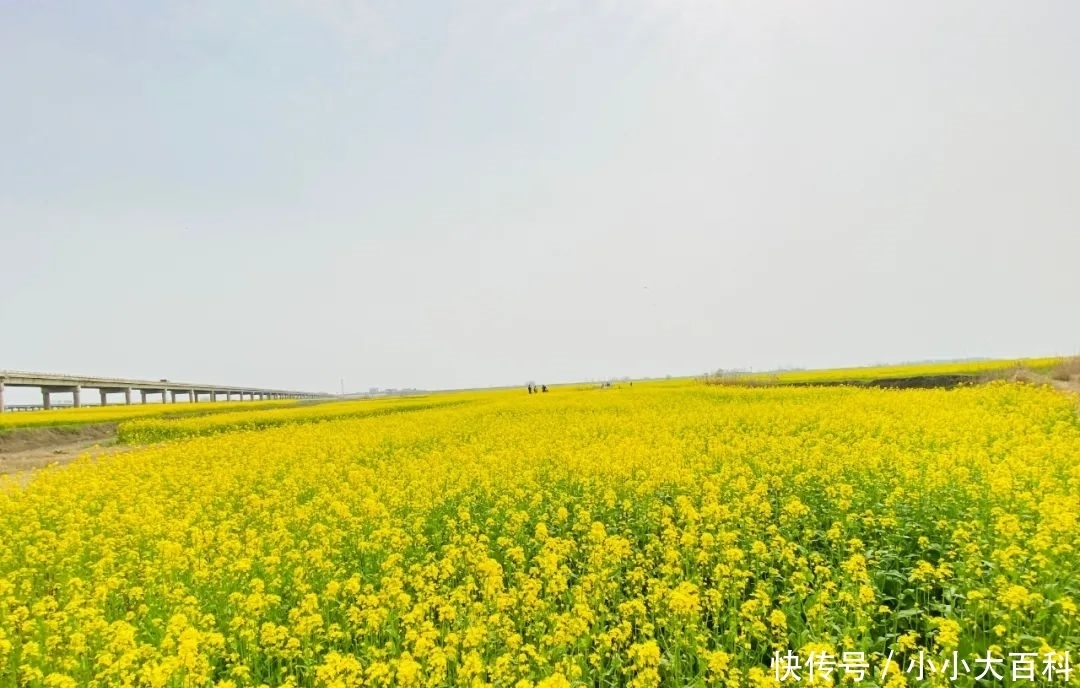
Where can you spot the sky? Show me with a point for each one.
(292, 194)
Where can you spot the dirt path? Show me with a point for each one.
(51, 437)
(30, 459)
(24, 450)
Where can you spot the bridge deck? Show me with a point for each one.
(51, 383)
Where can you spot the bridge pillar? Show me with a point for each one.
(46, 398)
(76, 396)
(127, 396)
(104, 397)
(213, 395)
(1, 396)
(142, 393)
(164, 396)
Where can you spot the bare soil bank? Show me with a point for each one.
(23, 439)
(28, 448)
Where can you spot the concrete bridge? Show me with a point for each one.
(50, 384)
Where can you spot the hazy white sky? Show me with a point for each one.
(445, 194)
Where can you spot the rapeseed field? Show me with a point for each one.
(655, 535)
(158, 428)
(116, 413)
(972, 369)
